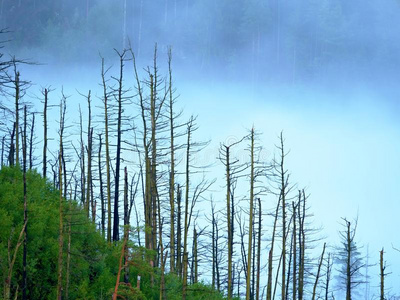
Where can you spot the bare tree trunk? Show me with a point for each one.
(271, 252)
(31, 142)
(103, 211)
(185, 238)
(46, 93)
(2, 150)
(258, 251)
(301, 213)
(153, 177)
(82, 162)
(348, 263)
(126, 224)
(185, 268)
(228, 216)
(318, 272)
(283, 195)
(179, 233)
(328, 276)
(17, 98)
(24, 271)
(11, 262)
(248, 287)
(253, 264)
(89, 159)
(68, 252)
(195, 258)
(172, 171)
(289, 271)
(213, 241)
(105, 99)
(61, 224)
(118, 157)
(216, 258)
(121, 259)
(294, 252)
(12, 148)
(382, 275)
(162, 258)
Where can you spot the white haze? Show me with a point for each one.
(340, 122)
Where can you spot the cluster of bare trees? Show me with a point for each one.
(259, 242)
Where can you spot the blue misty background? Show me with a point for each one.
(325, 72)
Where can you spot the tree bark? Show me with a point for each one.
(248, 285)
(118, 156)
(172, 171)
(179, 233)
(185, 238)
(61, 216)
(88, 203)
(46, 93)
(229, 225)
(24, 266)
(31, 142)
(283, 195)
(258, 251)
(17, 98)
(318, 272)
(103, 212)
(105, 99)
(382, 275)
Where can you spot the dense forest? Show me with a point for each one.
(111, 191)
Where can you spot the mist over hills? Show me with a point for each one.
(290, 41)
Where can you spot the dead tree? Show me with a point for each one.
(301, 218)
(248, 287)
(101, 185)
(17, 85)
(350, 260)
(259, 249)
(191, 197)
(31, 142)
(61, 215)
(294, 236)
(12, 256)
(107, 147)
(24, 262)
(150, 113)
(328, 274)
(232, 169)
(283, 195)
(179, 232)
(120, 98)
(126, 224)
(45, 93)
(282, 189)
(318, 272)
(82, 162)
(215, 246)
(186, 224)
(383, 274)
(89, 196)
(172, 118)
(271, 251)
(2, 150)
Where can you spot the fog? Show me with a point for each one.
(325, 72)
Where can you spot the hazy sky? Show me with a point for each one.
(338, 108)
